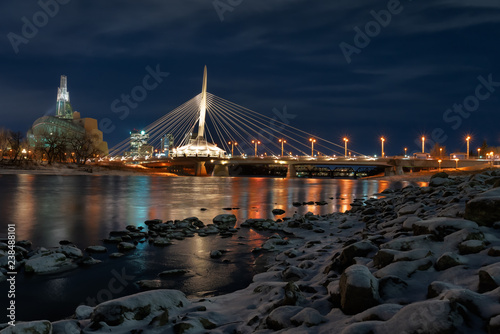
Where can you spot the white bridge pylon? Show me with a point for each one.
(226, 128)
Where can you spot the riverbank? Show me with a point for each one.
(72, 169)
(418, 259)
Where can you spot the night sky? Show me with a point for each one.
(401, 77)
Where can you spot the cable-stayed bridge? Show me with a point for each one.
(208, 128)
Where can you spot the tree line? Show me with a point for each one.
(48, 147)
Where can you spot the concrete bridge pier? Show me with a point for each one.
(390, 171)
(200, 169)
(291, 172)
(221, 170)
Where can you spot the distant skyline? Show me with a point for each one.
(358, 69)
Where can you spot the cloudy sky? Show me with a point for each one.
(361, 69)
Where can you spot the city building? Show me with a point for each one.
(66, 122)
(139, 144)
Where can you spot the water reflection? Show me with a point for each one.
(83, 209)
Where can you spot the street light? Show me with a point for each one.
(423, 144)
(439, 161)
(382, 139)
(456, 163)
(312, 140)
(345, 141)
(406, 149)
(440, 152)
(468, 140)
(282, 141)
(256, 142)
(479, 153)
(233, 144)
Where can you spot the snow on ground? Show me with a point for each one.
(416, 260)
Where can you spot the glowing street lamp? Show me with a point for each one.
(423, 144)
(282, 141)
(256, 142)
(406, 149)
(439, 161)
(479, 153)
(312, 140)
(233, 144)
(382, 140)
(468, 140)
(440, 152)
(345, 141)
(456, 163)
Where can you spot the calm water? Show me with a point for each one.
(83, 209)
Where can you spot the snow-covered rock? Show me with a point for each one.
(449, 260)
(33, 327)
(484, 209)
(358, 289)
(142, 306)
(48, 263)
(96, 249)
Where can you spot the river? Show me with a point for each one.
(84, 209)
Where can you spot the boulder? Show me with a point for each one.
(409, 209)
(48, 263)
(484, 209)
(489, 277)
(430, 317)
(448, 260)
(358, 249)
(136, 307)
(280, 317)
(471, 247)
(309, 317)
(70, 251)
(358, 289)
(225, 220)
(439, 181)
(32, 327)
(96, 249)
(441, 226)
(125, 246)
(66, 327)
(277, 212)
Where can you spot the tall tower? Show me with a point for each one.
(63, 106)
(203, 106)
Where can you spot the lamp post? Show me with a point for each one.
(345, 141)
(456, 163)
(441, 152)
(256, 142)
(233, 144)
(406, 149)
(468, 140)
(282, 141)
(423, 144)
(382, 139)
(479, 153)
(439, 161)
(312, 140)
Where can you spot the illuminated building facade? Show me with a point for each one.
(66, 123)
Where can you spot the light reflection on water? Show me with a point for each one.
(83, 209)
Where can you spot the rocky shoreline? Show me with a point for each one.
(415, 260)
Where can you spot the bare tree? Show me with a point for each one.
(51, 146)
(4, 142)
(16, 144)
(84, 147)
